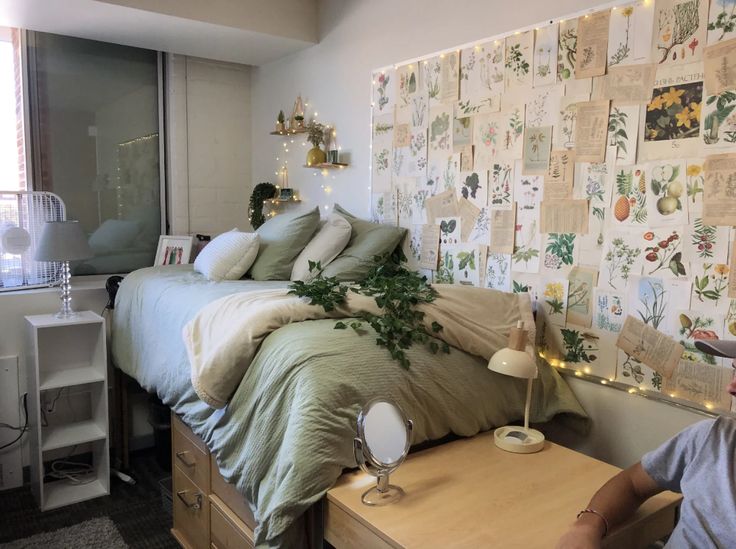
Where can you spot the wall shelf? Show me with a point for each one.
(327, 166)
(290, 132)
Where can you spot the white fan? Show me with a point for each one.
(22, 216)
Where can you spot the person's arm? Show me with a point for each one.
(616, 500)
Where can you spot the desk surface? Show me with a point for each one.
(469, 493)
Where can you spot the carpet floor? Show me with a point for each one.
(136, 511)
(97, 533)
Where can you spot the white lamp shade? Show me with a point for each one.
(513, 363)
(62, 241)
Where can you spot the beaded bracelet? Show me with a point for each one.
(598, 514)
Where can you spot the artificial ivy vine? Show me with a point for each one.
(397, 292)
(261, 192)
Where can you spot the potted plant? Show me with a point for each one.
(316, 136)
(280, 122)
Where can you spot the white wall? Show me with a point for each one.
(334, 77)
(357, 36)
(209, 145)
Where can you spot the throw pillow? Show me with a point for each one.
(283, 237)
(228, 256)
(329, 241)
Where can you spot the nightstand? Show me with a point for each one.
(68, 355)
(469, 493)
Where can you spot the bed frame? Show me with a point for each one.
(209, 513)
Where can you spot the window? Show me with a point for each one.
(94, 110)
(12, 144)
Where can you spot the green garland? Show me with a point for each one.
(261, 192)
(397, 292)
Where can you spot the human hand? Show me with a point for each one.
(580, 536)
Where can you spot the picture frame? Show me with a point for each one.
(173, 250)
(286, 193)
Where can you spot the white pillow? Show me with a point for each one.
(228, 256)
(325, 246)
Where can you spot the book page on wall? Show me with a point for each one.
(589, 161)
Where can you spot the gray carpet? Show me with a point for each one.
(136, 511)
(98, 533)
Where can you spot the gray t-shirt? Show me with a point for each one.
(700, 462)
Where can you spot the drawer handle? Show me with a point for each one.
(196, 506)
(180, 456)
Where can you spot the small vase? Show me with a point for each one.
(280, 127)
(315, 156)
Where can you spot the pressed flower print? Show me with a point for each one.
(680, 28)
(518, 60)
(486, 140)
(555, 301)
(630, 34)
(663, 253)
(666, 193)
(623, 131)
(501, 190)
(537, 148)
(710, 287)
(384, 86)
(629, 200)
(498, 272)
(511, 131)
(545, 55)
(622, 258)
(705, 243)
(719, 120)
(674, 112)
(721, 20)
(609, 310)
(481, 74)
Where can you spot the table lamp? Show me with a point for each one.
(515, 361)
(63, 241)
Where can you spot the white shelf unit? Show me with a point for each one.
(68, 355)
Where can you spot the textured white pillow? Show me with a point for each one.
(228, 256)
(325, 246)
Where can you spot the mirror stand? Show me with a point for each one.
(382, 493)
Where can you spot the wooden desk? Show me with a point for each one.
(469, 493)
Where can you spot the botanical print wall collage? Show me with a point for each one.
(620, 109)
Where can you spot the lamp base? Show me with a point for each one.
(518, 440)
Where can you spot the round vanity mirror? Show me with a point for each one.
(384, 437)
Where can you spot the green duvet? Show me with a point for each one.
(286, 435)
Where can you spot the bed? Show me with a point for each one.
(286, 435)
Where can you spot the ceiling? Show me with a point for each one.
(252, 32)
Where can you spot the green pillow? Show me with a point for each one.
(366, 241)
(283, 237)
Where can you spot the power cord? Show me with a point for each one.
(21, 429)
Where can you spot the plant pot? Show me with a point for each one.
(315, 156)
(279, 126)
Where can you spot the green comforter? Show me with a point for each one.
(286, 435)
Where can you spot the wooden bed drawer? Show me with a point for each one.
(227, 531)
(230, 496)
(191, 513)
(190, 455)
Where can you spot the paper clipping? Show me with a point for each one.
(649, 346)
(564, 216)
(591, 134)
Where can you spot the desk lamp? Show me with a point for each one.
(514, 361)
(63, 241)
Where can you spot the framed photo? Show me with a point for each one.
(286, 193)
(173, 250)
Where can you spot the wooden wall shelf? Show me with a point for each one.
(327, 165)
(290, 132)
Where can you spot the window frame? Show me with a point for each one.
(32, 123)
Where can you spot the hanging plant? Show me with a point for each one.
(261, 192)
